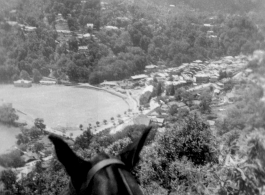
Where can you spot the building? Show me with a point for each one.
(210, 32)
(179, 83)
(212, 36)
(82, 48)
(146, 95)
(29, 28)
(208, 25)
(158, 121)
(64, 32)
(109, 83)
(151, 67)
(176, 103)
(22, 83)
(43, 82)
(199, 61)
(139, 77)
(48, 79)
(90, 25)
(141, 120)
(111, 28)
(202, 78)
(87, 35)
(61, 23)
(213, 79)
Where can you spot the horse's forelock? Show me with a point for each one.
(109, 181)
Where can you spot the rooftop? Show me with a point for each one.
(151, 66)
(141, 120)
(140, 76)
(111, 83)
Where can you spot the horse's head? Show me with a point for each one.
(101, 175)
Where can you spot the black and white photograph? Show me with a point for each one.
(132, 97)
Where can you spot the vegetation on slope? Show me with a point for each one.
(143, 37)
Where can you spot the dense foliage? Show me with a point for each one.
(147, 33)
(8, 114)
(188, 143)
(12, 159)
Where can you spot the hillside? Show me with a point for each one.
(92, 41)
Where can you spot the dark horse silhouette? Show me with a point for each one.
(102, 175)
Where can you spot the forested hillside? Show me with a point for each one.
(33, 39)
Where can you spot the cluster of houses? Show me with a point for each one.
(196, 76)
(28, 83)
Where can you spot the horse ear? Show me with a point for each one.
(72, 163)
(130, 155)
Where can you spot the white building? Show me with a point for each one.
(22, 83)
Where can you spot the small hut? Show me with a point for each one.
(23, 83)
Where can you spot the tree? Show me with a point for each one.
(187, 98)
(173, 110)
(38, 167)
(22, 139)
(39, 123)
(34, 133)
(84, 140)
(8, 177)
(178, 93)
(36, 76)
(12, 159)
(73, 44)
(24, 75)
(171, 90)
(8, 114)
(185, 145)
(120, 121)
(159, 89)
(205, 103)
(117, 146)
(105, 121)
(38, 147)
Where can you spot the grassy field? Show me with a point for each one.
(62, 106)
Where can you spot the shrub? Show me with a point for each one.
(117, 146)
(205, 103)
(39, 123)
(134, 132)
(229, 84)
(36, 76)
(12, 159)
(38, 147)
(170, 90)
(22, 139)
(83, 141)
(178, 159)
(173, 110)
(24, 75)
(8, 114)
(8, 177)
(178, 93)
(193, 139)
